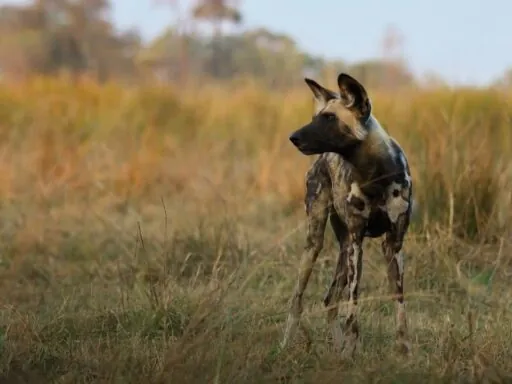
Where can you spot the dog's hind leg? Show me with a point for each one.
(317, 207)
(339, 281)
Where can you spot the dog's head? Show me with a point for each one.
(340, 120)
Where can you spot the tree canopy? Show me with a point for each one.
(78, 36)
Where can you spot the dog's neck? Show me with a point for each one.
(373, 161)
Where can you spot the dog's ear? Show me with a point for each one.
(321, 94)
(354, 96)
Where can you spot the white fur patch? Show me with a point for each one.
(396, 205)
(355, 191)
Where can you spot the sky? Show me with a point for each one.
(465, 41)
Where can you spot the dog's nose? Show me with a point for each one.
(294, 138)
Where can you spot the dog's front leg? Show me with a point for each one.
(317, 219)
(333, 296)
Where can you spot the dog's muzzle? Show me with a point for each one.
(295, 139)
(303, 140)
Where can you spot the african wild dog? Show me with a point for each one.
(361, 181)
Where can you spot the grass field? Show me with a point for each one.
(153, 234)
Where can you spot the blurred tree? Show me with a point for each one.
(270, 57)
(106, 53)
(21, 44)
(217, 12)
(163, 56)
(48, 36)
(273, 56)
(180, 24)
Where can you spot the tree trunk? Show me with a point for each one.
(217, 54)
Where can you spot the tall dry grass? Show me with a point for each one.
(66, 142)
(141, 225)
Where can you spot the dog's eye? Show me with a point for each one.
(329, 116)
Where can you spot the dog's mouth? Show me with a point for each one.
(316, 147)
(311, 148)
(304, 149)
